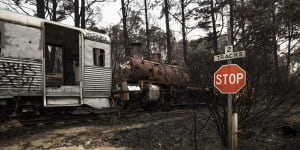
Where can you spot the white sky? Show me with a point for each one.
(111, 14)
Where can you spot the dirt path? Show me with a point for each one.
(154, 130)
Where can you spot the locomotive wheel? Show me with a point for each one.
(5, 112)
(151, 106)
(53, 111)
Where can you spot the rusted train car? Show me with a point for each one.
(48, 64)
(149, 80)
(45, 64)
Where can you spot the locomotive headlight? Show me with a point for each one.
(125, 65)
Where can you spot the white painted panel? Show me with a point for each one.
(88, 52)
(20, 41)
(98, 103)
(62, 101)
(21, 19)
(63, 90)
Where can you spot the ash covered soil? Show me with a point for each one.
(144, 130)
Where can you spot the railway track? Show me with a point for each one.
(66, 119)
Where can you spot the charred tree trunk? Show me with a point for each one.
(148, 53)
(52, 59)
(274, 38)
(169, 47)
(231, 21)
(40, 7)
(213, 20)
(53, 50)
(82, 14)
(76, 11)
(183, 32)
(54, 6)
(290, 34)
(125, 32)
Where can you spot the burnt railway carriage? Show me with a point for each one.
(51, 64)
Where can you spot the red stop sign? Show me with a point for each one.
(229, 79)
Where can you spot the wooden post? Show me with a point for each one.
(235, 130)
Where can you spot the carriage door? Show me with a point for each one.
(62, 69)
(97, 74)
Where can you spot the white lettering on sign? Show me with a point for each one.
(219, 80)
(229, 78)
(240, 76)
(225, 75)
(228, 56)
(228, 49)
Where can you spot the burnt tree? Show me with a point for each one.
(76, 13)
(169, 46)
(148, 52)
(183, 31)
(125, 32)
(82, 14)
(40, 7)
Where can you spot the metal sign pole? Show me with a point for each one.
(224, 88)
(229, 99)
(229, 118)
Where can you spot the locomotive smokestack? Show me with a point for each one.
(136, 50)
(156, 57)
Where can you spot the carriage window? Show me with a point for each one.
(54, 59)
(99, 57)
(0, 42)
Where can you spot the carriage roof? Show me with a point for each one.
(35, 22)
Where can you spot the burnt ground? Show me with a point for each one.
(144, 130)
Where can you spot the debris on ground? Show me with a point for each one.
(142, 130)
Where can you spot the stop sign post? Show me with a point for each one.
(229, 79)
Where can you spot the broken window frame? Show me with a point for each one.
(99, 57)
(55, 70)
(0, 41)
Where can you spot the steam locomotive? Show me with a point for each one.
(148, 80)
(45, 64)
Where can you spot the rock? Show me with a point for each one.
(148, 115)
(288, 131)
(297, 126)
(10, 124)
(292, 147)
(177, 138)
(70, 148)
(269, 140)
(88, 142)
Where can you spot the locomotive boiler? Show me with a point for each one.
(149, 80)
(137, 69)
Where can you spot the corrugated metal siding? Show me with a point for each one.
(19, 75)
(97, 79)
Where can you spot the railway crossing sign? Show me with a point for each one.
(229, 79)
(229, 54)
